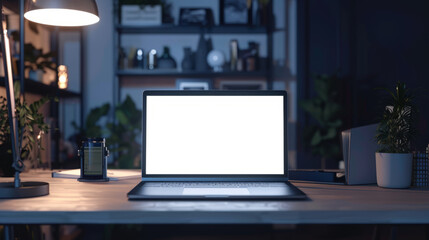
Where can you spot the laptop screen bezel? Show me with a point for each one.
(212, 177)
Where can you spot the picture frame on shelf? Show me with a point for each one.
(235, 12)
(141, 15)
(196, 17)
(194, 84)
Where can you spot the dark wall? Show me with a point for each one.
(371, 44)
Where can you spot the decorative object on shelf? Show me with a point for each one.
(196, 17)
(248, 59)
(203, 48)
(139, 58)
(194, 84)
(167, 18)
(240, 62)
(420, 175)
(151, 59)
(243, 85)
(233, 49)
(37, 62)
(395, 134)
(166, 61)
(255, 13)
(63, 78)
(122, 59)
(31, 125)
(164, 14)
(262, 14)
(325, 108)
(235, 12)
(36, 75)
(141, 15)
(188, 62)
(216, 60)
(130, 57)
(252, 61)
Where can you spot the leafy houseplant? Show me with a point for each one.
(35, 60)
(121, 135)
(397, 127)
(395, 133)
(31, 125)
(325, 109)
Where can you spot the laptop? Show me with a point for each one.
(214, 145)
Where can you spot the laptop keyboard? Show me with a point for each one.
(214, 184)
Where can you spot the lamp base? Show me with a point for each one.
(27, 190)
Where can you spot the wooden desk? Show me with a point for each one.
(73, 202)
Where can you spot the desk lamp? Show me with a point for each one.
(64, 13)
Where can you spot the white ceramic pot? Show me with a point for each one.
(394, 169)
(36, 75)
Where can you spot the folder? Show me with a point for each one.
(359, 147)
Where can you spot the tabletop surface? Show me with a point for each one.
(71, 202)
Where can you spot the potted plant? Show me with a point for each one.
(325, 108)
(37, 62)
(31, 125)
(395, 133)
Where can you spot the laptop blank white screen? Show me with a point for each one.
(219, 135)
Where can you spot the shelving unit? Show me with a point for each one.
(169, 29)
(39, 88)
(177, 73)
(174, 29)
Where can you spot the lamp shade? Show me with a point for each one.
(66, 13)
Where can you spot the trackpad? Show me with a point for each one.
(215, 191)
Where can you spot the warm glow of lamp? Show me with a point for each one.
(62, 17)
(63, 78)
(64, 13)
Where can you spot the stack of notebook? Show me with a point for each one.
(420, 169)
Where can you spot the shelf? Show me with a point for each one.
(35, 87)
(174, 29)
(176, 73)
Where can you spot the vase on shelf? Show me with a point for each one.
(188, 62)
(166, 61)
(203, 49)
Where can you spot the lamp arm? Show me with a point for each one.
(13, 122)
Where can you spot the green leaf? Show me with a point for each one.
(316, 139)
(122, 118)
(332, 133)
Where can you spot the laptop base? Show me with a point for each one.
(215, 190)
